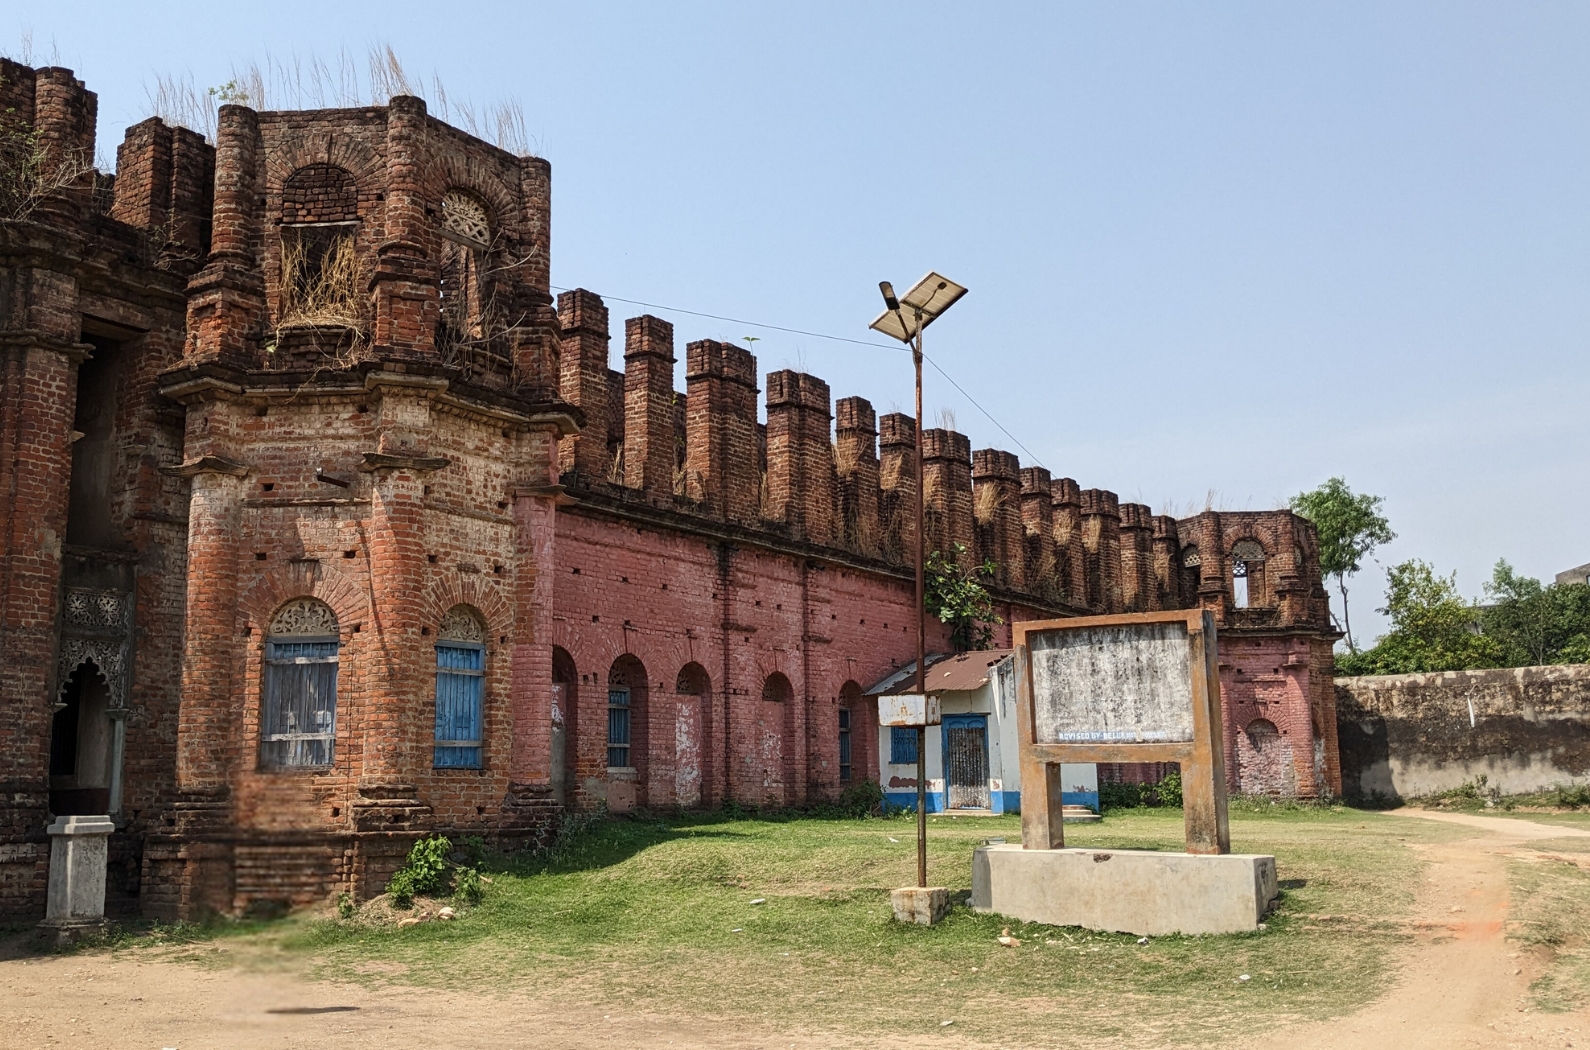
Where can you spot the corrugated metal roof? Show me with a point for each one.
(945, 674)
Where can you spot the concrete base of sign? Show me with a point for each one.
(924, 906)
(76, 902)
(1124, 891)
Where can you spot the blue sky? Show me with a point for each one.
(1215, 248)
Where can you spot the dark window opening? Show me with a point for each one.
(844, 745)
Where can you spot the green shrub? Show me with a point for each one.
(423, 874)
(1168, 791)
(346, 909)
(1140, 796)
(467, 886)
(863, 799)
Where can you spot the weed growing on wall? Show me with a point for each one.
(957, 597)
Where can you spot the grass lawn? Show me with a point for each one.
(657, 915)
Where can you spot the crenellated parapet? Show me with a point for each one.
(346, 237)
(836, 475)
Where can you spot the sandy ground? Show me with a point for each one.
(1464, 987)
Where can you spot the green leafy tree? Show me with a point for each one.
(960, 601)
(1432, 628)
(1350, 527)
(1531, 624)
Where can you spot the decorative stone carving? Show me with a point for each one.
(462, 624)
(465, 218)
(304, 616)
(96, 626)
(1247, 552)
(105, 609)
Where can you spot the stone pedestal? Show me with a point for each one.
(923, 905)
(1125, 891)
(78, 852)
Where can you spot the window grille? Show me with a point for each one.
(618, 711)
(902, 745)
(465, 217)
(844, 745)
(298, 717)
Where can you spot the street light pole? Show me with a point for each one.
(921, 627)
(931, 296)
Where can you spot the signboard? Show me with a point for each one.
(908, 710)
(1138, 687)
(1114, 683)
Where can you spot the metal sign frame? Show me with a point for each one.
(1202, 759)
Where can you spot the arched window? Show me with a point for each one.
(626, 714)
(460, 689)
(777, 688)
(1191, 566)
(466, 235)
(693, 681)
(321, 280)
(849, 710)
(298, 703)
(1247, 574)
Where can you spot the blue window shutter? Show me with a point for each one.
(902, 745)
(460, 704)
(618, 710)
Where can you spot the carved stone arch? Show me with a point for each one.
(462, 623)
(471, 589)
(258, 605)
(303, 616)
(459, 170)
(466, 217)
(108, 657)
(1248, 549)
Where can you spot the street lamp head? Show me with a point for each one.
(918, 308)
(888, 295)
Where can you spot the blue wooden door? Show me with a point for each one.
(966, 762)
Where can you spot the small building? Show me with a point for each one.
(1577, 574)
(982, 773)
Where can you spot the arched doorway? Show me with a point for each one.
(82, 745)
(1264, 760)
(775, 718)
(693, 689)
(565, 758)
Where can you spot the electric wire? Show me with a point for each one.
(834, 338)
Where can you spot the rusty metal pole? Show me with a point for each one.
(921, 629)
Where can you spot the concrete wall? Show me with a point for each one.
(1524, 729)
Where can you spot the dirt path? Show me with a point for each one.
(1467, 986)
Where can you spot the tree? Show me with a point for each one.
(957, 597)
(1432, 628)
(1532, 624)
(1350, 527)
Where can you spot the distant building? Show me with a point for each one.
(982, 773)
(1577, 574)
